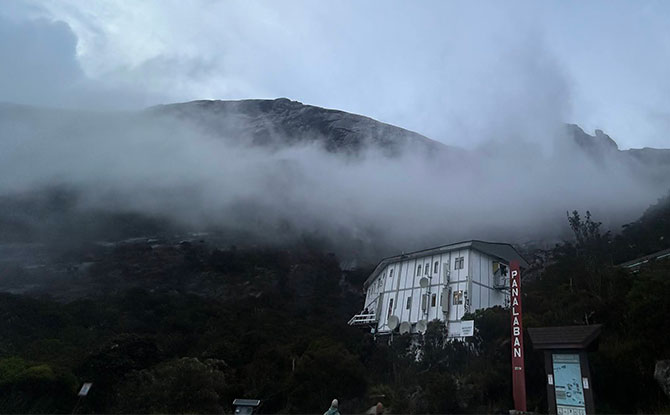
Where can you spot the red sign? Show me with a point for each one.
(518, 368)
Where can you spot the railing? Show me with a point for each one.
(362, 319)
(500, 282)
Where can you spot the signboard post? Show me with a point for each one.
(518, 367)
(83, 392)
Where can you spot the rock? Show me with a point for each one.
(597, 145)
(662, 375)
(606, 140)
(279, 122)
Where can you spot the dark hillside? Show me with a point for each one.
(261, 320)
(173, 318)
(187, 327)
(649, 234)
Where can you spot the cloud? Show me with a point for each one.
(41, 66)
(446, 72)
(455, 72)
(370, 205)
(494, 81)
(39, 61)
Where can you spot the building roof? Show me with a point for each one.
(503, 251)
(636, 263)
(565, 337)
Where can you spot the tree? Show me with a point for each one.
(108, 366)
(587, 231)
(185, 385)
(593, 253)
(326, 370)
(35, 388)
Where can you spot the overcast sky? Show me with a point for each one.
(458, 72)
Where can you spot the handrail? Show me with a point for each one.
(362, 319)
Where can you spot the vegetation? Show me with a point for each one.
(152, 348)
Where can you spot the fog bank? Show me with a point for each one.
(366, 205)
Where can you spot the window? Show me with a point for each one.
(459, 263)
(391, 274)
(427, 268)
(436, 267)
(418, 270)
(390, 308)
(433, 300)
(458, 297)
(409, 302)
(379, 284)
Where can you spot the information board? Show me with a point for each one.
(467, 328)
(85, 388)
(464, 328)
(568, 384)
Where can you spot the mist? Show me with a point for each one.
(360, 206)
(492, 85)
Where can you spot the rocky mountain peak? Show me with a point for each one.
(591, 143)
(282, 121)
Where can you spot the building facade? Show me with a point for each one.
(407, 291)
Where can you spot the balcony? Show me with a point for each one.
(363, 320)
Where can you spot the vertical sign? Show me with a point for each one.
(518, 368)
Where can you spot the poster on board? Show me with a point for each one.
(568, 385)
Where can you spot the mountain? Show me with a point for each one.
(283, 122)
(279, 171)
(651, 163)
(152, 322)
(103, 279)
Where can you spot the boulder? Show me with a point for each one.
(662, 375)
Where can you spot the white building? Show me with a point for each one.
(407, 291)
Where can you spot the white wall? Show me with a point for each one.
(399, 281)
(458, 281)
(483, 293)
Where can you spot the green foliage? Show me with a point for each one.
(588, 238)
(185, 385)
(324, 371)
(107, 366)
(188, 329)
(650, 307)
(582, 287)
(27, 387)
(649, 234)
